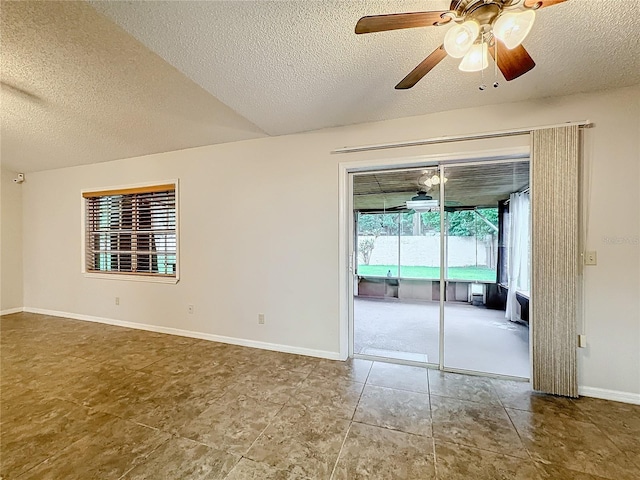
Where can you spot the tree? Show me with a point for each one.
(376, 224)
(431, 221)
(463, 223)
(365, 248)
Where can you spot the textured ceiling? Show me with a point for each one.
(78, 89)
(153, 76)
(291, 66)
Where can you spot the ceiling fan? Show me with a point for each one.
(481, 26)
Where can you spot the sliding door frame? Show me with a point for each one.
(347, 260)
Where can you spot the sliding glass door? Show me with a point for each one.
(396, 305)
(442, 266)
(487, 256)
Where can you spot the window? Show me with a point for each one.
(131, 231)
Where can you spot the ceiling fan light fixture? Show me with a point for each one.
(422, 203)
(431, 179)
(513, 27)
(477, 59)
(459, 38)
(423, 206)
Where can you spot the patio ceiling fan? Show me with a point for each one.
(481, 26)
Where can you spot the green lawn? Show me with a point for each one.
(483, 274)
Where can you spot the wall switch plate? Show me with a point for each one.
(582, 341)
(261, 319)
(591, 258)
(190, 309)
(117, 300)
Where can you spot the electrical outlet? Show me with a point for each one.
(591, 258)
(117, 300)
(190, 309)
(261, 319)
(582, 341)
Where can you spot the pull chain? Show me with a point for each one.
(482, 85)
(495, 63)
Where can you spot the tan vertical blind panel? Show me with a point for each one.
(554, 179)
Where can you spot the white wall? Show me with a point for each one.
(10, 242)
(287, 265)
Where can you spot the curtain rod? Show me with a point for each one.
(459, 138)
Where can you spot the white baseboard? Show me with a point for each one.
(9, 311)
(613, 395)
(188, 333)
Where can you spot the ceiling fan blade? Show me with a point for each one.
(397, 21)
(543, 3)
(512, 63)
(421, 70)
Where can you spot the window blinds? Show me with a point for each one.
(132, 231)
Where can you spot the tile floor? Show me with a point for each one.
(88, 401)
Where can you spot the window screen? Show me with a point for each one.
(132, 231)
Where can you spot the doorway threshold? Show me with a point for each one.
(379, 352)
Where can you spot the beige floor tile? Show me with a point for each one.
(128, 397)
(519, 395)
(353, 369)
(176, 402)
(579, 446)
(269, 385)
(107, 453)
(232, 423)
(301, 441)
(619, 421)
(77, 400)
(332, 396)
(249, 470)
(457, 462)
(462, 387)
(25, 406)
(401, 377)
(94, 385)
(396, 409)
(180, 458)
(554, 472)
(482, 426)
(47, 372)
(284, 361)
(137, 360)
(182, 363)
(43, 431)
(378, 453)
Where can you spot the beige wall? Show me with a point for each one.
(286, 266)
(10, 242)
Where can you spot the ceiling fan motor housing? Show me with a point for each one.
(483, 12)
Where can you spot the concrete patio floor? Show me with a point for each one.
(476, 338)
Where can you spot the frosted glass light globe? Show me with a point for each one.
(476, 60)
(460, 38)
(513, 27)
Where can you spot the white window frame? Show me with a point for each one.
(132, 277)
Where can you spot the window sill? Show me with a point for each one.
(132, 278)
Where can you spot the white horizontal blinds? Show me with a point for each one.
(555, 163)
(132, 231)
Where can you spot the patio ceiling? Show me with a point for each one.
(468, 186)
